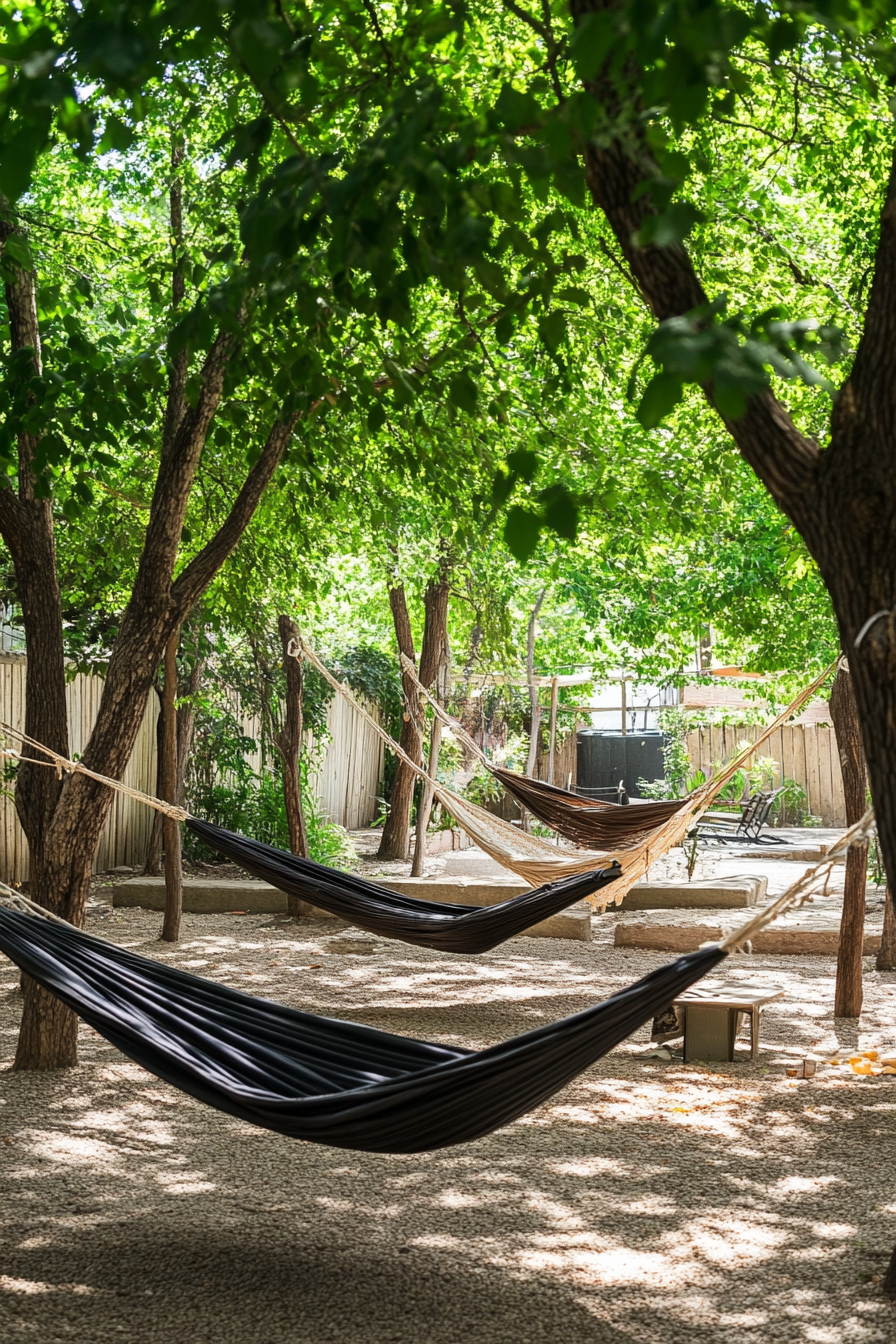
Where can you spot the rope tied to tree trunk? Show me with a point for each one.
(14, 900)
(63, 766)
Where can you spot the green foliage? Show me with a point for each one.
(254, 805)
(374, 675)
(482, 787)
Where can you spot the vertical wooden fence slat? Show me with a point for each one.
(806, 753)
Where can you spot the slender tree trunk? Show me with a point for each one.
(424, 807)
(186, 725)
(186, 728)
(153, 865)
(288, 742)
(534, 706)
(886, 956)
(394, 844)
(174, 877)
(433, 652)
(848, 991)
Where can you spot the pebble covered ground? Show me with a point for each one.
(649, 1201)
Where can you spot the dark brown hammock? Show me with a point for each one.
(590, 823)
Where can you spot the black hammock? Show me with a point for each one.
(592, 824)
(447, 928)
(318, 1078)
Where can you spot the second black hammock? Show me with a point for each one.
(318, 1078)
(447, 928)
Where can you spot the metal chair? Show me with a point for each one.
(755, 812)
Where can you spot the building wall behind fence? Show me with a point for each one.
(804, 752)
(129, 823)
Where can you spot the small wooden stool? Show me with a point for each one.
(712, 1016)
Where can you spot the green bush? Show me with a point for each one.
(253, 805)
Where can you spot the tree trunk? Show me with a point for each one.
(424, 807)
(534, 706)
(64, 819)
(174, 878)
(848, 992)
(433, 652)
(153, 864)
(841, 500)
(186, 727)
(288, 742)
(886, 956)
(394, 844)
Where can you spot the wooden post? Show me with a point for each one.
(553, 738)
(845, 717)
(171, 829)
(424, 807)
(288, 742)
(886, 957)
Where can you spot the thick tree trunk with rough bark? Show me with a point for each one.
(848, 732)
(288, 742)
(434, 650)
(841, 500)
(174, 878)
(64, 819)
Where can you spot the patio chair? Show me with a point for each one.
(719, 828)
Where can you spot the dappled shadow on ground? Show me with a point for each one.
(646, 1202)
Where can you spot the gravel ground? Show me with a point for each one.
(649, 1201)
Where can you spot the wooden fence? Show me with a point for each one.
(565, 775)
(806, 753)
(127, 830)
(348, 775)
(346, 780)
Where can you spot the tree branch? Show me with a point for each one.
(617, 172)
(198, 574)
(174, 482)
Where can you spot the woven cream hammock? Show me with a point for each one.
(538, 861)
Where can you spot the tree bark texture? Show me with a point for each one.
(186, 727)
(433, 653)
(842, 500)
(886, 956)
(424, 807)
(534, 706)
(153, 864)
(64, 819)
(394, 844)
(848, 991)
(174, 878)
(288, 742)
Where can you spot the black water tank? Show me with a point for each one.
(603, 759)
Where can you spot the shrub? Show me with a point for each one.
(254, 805)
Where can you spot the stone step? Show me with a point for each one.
(789, 941)
(206, 896)
(573, 923)
(705, 893)
(203, 896)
